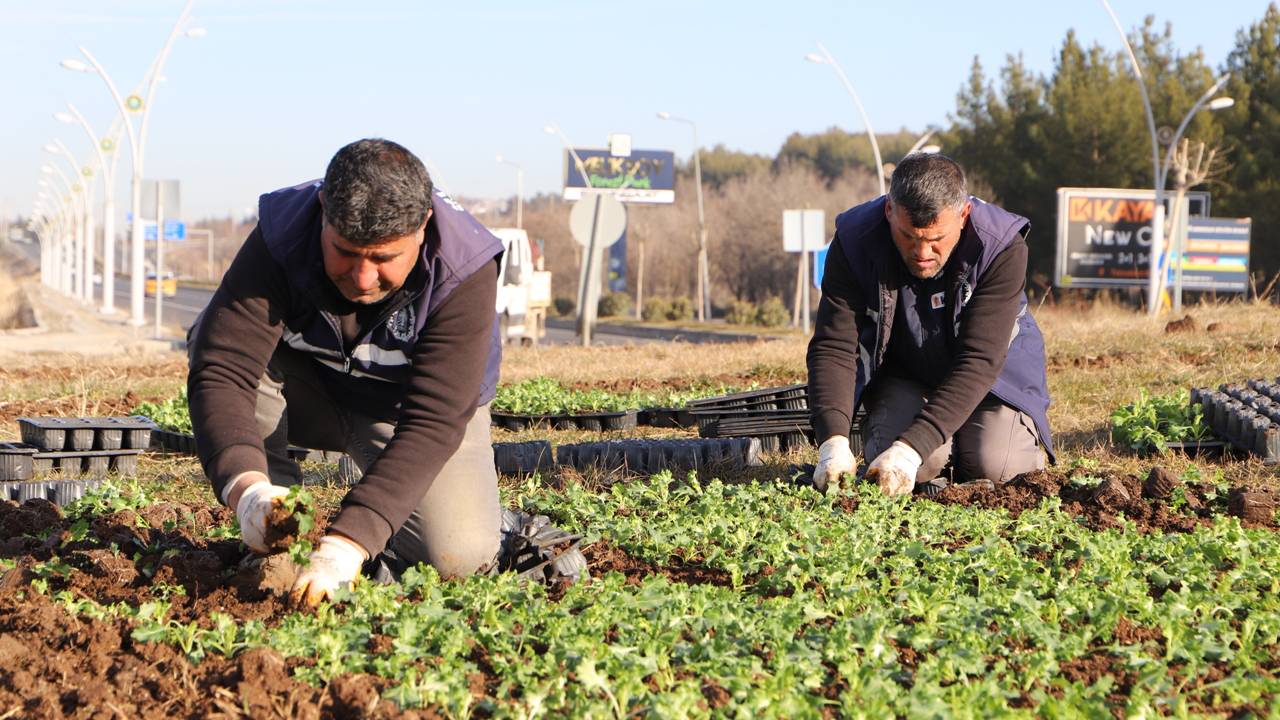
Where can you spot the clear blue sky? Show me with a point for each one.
(277, 86)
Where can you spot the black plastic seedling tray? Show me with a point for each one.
(647, 457)
(666, 417)
(623, 420)
(523, 458)
(16, 462)
(86, 433)
(173, 441)
(58, 492)
(87, 462)
(1245, 416)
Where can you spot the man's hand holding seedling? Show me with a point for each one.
(274, 519)
(259, 507)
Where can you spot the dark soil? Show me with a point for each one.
(1146, 504)
(1186, 324)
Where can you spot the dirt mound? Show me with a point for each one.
(1186, 324)
(1162, 502)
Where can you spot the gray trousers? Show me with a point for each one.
(997, 442)
(455, 527)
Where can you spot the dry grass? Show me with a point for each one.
(1100, 357)
(678, 363)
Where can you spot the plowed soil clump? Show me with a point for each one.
(1161, 502)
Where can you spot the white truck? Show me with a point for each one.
(524, 291)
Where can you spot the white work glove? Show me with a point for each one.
(895, 469)
(254, 508)
(834, 459)
(335, 563)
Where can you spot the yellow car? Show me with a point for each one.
(170, 285)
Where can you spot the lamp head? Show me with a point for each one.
(77, 65)
(1220, 103)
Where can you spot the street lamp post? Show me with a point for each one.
(1157, 214)
(60, 267)
(826, 59)
(1205, 102)
(519, 189)
(704, 275)
(137, 147)
(101, 146)
(76, 227)
(84, 250)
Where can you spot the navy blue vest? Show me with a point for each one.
(863, 234)
(290, 223)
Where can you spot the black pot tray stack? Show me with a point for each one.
(1246, 415)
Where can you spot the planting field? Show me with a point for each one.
(1097, 589)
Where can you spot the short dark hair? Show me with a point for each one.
(375, 189)
(925, 184)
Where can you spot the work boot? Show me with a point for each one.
(538, 550)
(932, 488)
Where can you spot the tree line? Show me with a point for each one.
(1019, 134)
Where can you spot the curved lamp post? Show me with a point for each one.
(826, 59)
(137, 147)
(1205, 102)
(107, 144)
(84, 245)
(59, 267)
(704, 275)
(75, 226)
(1157, 215)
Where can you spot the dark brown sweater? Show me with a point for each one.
(240, 330)
(986, 324)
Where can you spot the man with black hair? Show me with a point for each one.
(924, 321)
(358, 317)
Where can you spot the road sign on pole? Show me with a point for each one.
(596, 221)
(174, 230)
(803, 231)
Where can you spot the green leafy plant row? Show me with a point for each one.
(546, 396)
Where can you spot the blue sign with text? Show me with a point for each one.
(174, 230)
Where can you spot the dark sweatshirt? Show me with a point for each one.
(976, 354)
(240, 330)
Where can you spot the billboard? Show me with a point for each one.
(644, 176)
(1104, 235)
(1217, 255)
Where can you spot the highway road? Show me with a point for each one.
(179, 312)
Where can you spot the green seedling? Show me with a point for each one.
(1152, 421)
(172, 414)
(300, 505)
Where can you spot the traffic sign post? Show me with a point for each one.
(596, 221)
(174, 231)
(803, 231)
